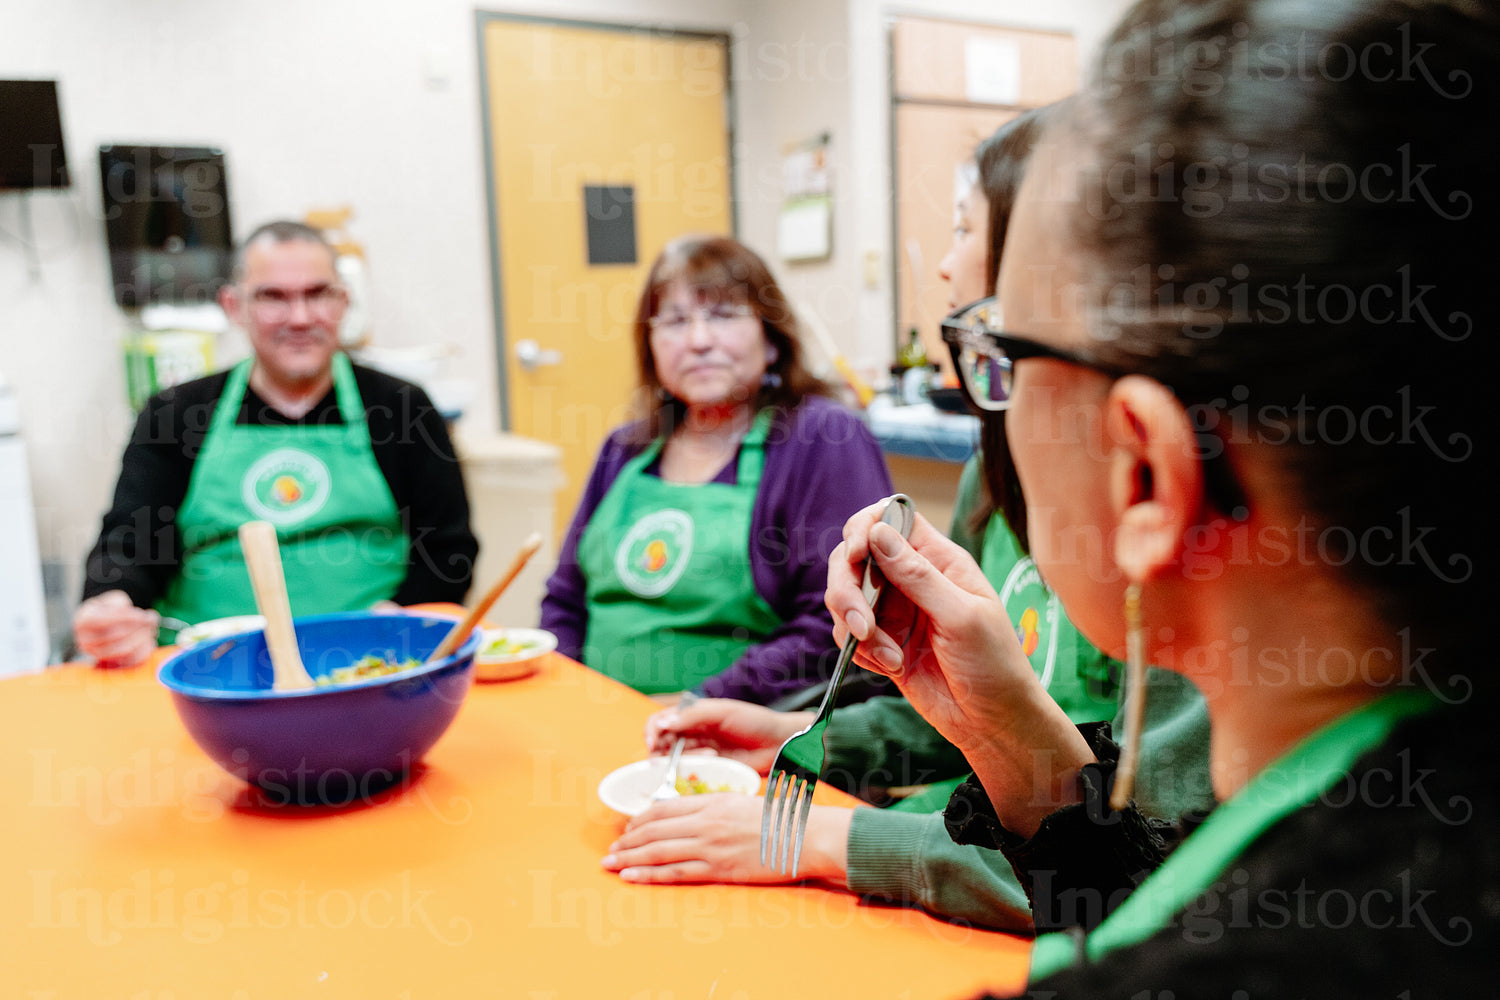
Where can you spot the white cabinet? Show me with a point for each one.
(512, 483)
(23, 623)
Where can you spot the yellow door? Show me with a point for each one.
(577, 113)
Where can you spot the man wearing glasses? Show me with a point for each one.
(353, 467)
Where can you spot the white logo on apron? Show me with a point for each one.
(655, 552)
(286, 486)
(1025, 581)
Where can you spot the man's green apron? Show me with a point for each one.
(671, 598)
(342, 544)
(1294, 780)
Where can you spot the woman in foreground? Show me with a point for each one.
(1244, 402)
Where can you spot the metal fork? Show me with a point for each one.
(668, 787)
(789, 786)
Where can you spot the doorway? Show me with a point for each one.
(603, 142)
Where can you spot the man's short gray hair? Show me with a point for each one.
(279, 231)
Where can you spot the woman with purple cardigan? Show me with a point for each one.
(698, 556)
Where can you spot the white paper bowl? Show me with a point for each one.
(218, 628)
(628, 789)
(493, 662)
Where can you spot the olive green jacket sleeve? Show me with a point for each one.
(908, 858)
(884, 743)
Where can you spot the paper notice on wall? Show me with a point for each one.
(804, 229)
(992, 71)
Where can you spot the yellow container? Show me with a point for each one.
(160, 359)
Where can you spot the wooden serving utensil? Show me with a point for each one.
(460, 632)
(263, 560)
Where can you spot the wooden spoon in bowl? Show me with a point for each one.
(460, 632)
(263, 560)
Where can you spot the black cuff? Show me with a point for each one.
(1101, 741)
(970, 816)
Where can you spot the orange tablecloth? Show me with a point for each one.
(134, 868)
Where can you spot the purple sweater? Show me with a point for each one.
(822, 465)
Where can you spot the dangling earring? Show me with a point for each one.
(1135, 699)
(769, 379)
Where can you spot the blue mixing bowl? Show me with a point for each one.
(328, 744)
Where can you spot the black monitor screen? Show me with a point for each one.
(31, 139)
(166, 219)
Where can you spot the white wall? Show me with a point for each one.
(376, 105)
(795, 86)
(825, 65)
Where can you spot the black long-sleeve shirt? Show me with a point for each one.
(139, 547)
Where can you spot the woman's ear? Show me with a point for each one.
(1155, 480)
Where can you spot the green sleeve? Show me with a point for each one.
(885, 743)
(971, 496)
(908, 858)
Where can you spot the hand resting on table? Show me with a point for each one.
(716, 838)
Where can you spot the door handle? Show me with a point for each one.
(531, 356)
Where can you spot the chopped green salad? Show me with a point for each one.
(369, 666)
(694, 785)
(506, 646)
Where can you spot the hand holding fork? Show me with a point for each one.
(668, 787)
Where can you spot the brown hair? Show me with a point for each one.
(719, 268)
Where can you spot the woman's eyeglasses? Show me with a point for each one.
(985, 358)
(717, 316)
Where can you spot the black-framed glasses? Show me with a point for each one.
(985, 358)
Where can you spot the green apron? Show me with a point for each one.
(670, 595)
(342, 543)
(1291, 782)
(1075, 674)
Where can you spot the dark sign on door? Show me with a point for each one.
(610, 216)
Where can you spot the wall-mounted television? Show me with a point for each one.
(166, 220)
(31, 139)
